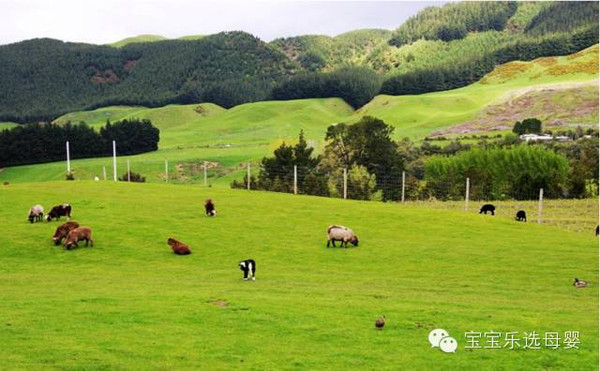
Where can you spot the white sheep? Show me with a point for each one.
(341, 233)
(36, 213)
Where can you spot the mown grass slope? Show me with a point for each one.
(130, 303)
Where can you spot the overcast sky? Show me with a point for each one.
(106, 21)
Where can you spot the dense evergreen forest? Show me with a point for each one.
(440, 48)
(38, 143)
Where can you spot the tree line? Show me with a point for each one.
(506, 168)
(451, 75)
(39, 143)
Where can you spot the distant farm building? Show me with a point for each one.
(543, 137)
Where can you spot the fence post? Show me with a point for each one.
(248, 176)
(205, 173)
(295, 179)
(128, 172)
(114, 161)
(68, 159)
(541, 206)
(345, 183)
(403, 180)
(104, 172)
(166, 170)
(467, 196)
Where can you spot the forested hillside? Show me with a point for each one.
(43, 78)
(440, 48)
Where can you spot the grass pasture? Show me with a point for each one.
(129, 303)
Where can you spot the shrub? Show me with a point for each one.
(135, 177)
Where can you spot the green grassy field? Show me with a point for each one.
(129, 303)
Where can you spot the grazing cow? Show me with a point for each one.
(209, 206)
(597, 230)
(341, 233)
(58, 211)
(179, 248)
(63, 231)
(36, 213)
(79, 234)
(521, 216)
(249, 269)
(487, 207)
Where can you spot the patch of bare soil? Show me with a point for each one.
(105, 77)
(218, 303)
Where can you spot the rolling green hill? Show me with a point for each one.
(150, 38)
(128, 301)
(201, 132)
(137, 39)
(561, 90)
(320, 52)
(46, 78)
(478, 105)
(440, 48)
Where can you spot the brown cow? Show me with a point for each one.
(63, 231)
(79, 234)
(179, 248)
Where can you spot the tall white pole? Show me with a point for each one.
(248, 176)
(345, 183)
(68, 159)
(166, 170)
(205, 180)
(295, 179)
(128, 172)
(114, 161)
(467, 196)
(403, 179)
(541, 206)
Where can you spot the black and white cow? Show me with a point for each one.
(249, 269)
(521, 216)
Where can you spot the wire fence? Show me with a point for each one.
(541, 206)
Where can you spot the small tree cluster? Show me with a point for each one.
(527, 126)
(133, 177)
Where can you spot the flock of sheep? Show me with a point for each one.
(72, 233)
